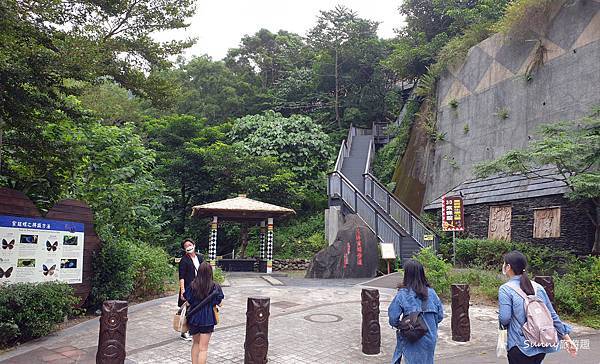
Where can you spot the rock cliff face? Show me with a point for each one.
(489, 105)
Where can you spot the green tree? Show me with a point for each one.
(115, 178)
(211, 90)
(299, 143)
(114, 104)
(430, 25)
(574, 148)
(347, 52)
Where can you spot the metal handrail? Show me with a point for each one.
(362, 206)
(340, 157)
(400, 213)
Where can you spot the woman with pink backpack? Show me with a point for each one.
(534, 328)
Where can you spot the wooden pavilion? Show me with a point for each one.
(245, 211)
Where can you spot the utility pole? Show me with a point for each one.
(337, 91)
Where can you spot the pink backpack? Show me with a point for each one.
(539, 328)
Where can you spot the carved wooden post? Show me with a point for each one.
(113, 325)
(256, 345)
(548, 283)
(371, 332)
(461, 326)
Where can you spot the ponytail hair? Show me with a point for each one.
(518, 263)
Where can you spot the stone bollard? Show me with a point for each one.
(113, 326)
(548, 283)
(256, 345)
(371, 332)
(461, 325)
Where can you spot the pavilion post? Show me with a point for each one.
(212, 245)
(263, 231)
(270, 245)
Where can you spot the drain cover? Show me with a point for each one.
(323, 318)
(284, 304)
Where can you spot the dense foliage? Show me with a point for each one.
(32, 310)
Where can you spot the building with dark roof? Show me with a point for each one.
(525, 208)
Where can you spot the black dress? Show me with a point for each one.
(187, 272)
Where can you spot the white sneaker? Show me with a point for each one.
(186, 336)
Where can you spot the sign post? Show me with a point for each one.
(387, 253)
(453, 219)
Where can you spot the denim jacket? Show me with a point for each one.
(405, 302)
(205, 315)
(512, 315)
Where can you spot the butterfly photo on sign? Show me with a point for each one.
(8, 244)
(6, 273)
(51, 246)
(48, 271)
(25, 263)
(68, 263)
(29, 239)
(70, 240)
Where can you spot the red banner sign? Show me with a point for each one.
(452, 213)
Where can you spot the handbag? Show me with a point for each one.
(502, 342)
(180, 319)
(412, 326)
(216, 311)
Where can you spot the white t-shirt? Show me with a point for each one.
(196, 264)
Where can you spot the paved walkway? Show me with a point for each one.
(312, 321)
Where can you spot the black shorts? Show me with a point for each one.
(201, 329)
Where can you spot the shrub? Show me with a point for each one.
(487, 254)
(124, 269)
(484, 282)
(436, 269)
(218, 275)
(302, 238)
(31, 310)
(151, 269)
(578, 291)
(113, 269)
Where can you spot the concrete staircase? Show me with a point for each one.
(352, 187)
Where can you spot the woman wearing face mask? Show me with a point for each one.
(513, 313)
(188, 268)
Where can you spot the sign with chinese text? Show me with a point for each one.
(452, 213)
(40, 250)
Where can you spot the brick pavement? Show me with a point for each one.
(312, 321)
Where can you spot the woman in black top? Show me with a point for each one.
(188, 266)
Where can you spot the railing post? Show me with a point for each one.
(460, 323)
(355, 202)
(387, 202)
(256, 345)
(113, 329)
(376, 225)
(371, 331)
(548, 283)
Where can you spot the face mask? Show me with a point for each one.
(504, 268)
(190, 249)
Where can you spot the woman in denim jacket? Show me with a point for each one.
(413, 291)
(513, 316)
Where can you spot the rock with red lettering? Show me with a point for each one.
(354, 254)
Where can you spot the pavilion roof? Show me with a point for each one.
(241, 208)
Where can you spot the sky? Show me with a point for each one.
(220, 24)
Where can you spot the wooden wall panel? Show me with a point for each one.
(546, 223)
(16, 203)
(499, 227)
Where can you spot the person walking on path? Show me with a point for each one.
(513, 314)
(203, 319)
(414, 296)
(188, 266)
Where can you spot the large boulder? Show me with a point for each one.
(354, 254)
